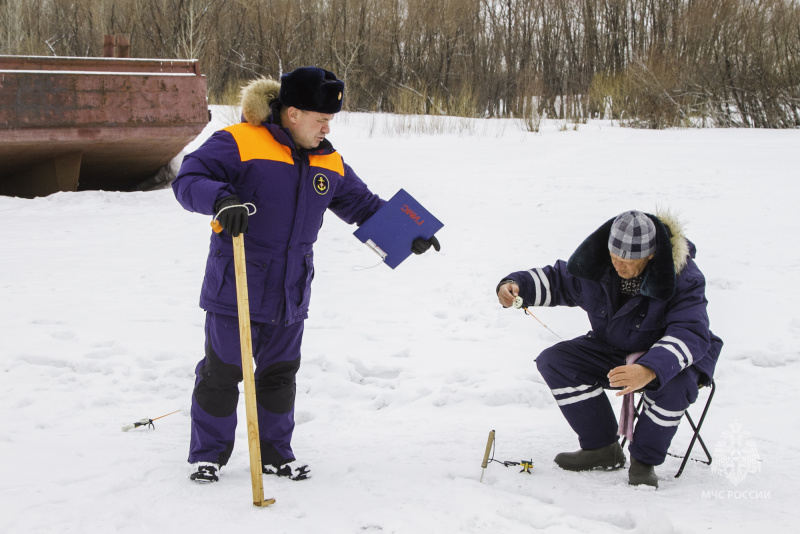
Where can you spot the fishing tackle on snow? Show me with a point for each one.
(145, 422)
(527, 465)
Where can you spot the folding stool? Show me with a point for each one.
(696, 437)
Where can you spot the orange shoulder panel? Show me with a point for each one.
(255, 142)
(332, 162)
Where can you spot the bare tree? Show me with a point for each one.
(653, 63)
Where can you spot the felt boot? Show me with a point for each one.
(642, 474)
(608, 457)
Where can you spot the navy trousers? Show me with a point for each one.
(576, 372)
(276, 353)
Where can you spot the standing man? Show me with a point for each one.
(280, 161)
(636, 278)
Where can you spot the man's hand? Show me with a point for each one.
(507, 293)
(422, 245)
(232, 215)
(631, 377)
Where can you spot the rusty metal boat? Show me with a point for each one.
(76, 123)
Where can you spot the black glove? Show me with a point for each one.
(233, 219)
(422, 245)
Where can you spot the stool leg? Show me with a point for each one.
(696, 436)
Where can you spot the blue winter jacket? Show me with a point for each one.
(291, 190)
(667, 319)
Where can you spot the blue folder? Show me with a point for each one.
(395, 226)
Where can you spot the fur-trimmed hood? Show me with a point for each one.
(257, 98)
(592, 261)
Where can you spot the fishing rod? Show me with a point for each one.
(527, 465)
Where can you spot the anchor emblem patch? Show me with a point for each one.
(321, 184)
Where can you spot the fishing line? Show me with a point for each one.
(362, 268)
(519, 305)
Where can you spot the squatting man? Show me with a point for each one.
(636, 278)
(280, 160)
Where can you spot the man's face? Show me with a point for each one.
(308, 128)
(629, 268)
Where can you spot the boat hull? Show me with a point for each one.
(69, 124)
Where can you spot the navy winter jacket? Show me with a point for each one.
(291, 190)
(667, 319)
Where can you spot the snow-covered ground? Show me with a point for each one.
(405, 372)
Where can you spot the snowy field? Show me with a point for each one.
(405, 372)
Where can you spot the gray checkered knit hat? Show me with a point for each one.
(633, 236)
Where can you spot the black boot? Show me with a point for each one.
(292, 470)
(608, 457)
(204, 472)
(642, 474)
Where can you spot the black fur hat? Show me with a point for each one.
(312, 89)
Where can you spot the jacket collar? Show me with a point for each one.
(591, 261)
(283, 136)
